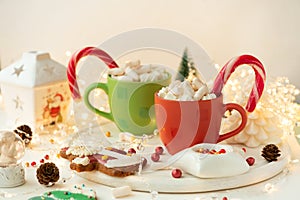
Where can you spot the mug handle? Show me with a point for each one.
(241, 110)
(88, 90)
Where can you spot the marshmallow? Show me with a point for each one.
(133, 64)
(203, 90)
(158, 69)
(121, 191)
(116, 71)
(131, 73)
(177, 91)
(144, 69)
(154, 76)
(174, 84)
(187, 88)
(162, 93)
(196, 83)
(164, 76)
(145, 77)
(186, 98)
(211, 96)
(123, 78)
(170, 96)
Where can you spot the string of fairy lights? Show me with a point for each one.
(279, 96)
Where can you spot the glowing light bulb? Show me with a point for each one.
(68, 53)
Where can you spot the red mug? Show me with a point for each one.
(183, 124)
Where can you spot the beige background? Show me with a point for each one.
(268, 29)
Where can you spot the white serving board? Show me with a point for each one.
(163, 182)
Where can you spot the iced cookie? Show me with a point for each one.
(111, 161)
(78, 193)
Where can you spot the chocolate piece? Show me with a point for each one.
(25, 133)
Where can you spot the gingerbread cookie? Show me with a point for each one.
(111, 161)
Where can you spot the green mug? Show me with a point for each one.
(131, 103)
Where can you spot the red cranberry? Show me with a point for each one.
(155, 157)
(224, 198)
(222, 151)
(159, 150)
(176, 173)
(131, 151)
(42, 160)
(46, 157)
(33, 164)
(244, 149)
(250, 161)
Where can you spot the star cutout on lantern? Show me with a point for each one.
(49, 69)
(18, 70)
(18, 102)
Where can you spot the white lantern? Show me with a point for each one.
(35, 91)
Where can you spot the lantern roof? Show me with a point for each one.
(35, 68)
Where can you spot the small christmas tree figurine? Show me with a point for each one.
(184, 68)
(193, 70)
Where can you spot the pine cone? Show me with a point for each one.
(47, 173)
(270, 152)
(25, 133)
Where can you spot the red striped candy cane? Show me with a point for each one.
(229, 68)
(71, 72)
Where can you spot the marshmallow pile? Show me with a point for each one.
(134, 71)
(188, 90)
